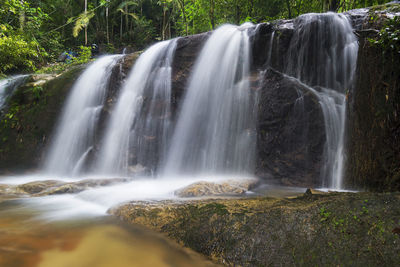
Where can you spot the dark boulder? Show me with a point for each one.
(291, 133)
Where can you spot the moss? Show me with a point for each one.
(388, 7)
(373, 122)
(317, 230)
(29, 120)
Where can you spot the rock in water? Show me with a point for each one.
(223, 188)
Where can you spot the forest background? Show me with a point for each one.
(34, 33)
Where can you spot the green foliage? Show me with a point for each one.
(82, 22)
(110, 48)
(34, 33)
(37, 91)
(83, 57)
(389, 37)
(324, 214)
(20, 36)
(17, 54)
(143, 32)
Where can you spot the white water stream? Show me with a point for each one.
(133, 130)
(75, 133)
(215, 131)
(8, 86)
(323, 53)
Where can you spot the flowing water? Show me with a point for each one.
(323, 55)
(8, 86)
(213, 140)
(215, 130)
(75, 135)
(140, 124)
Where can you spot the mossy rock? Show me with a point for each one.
(30, 119)
(335, 229)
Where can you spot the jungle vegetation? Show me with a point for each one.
(33, 33)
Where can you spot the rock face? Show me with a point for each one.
(374, 111)
(187, 50)
(313, 230)
(290, 131)
(29, 120)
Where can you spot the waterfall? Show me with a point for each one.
(215, 131)
(138, 130)
(8, 86)
(323, 55)
(75, 133)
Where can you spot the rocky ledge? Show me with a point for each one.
(332, 229)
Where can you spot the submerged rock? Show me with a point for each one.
(54, 187)
(224, 188)
(39, 186)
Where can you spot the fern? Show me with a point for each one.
(82, 22)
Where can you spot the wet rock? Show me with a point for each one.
(7, 190)
(224, 188)
(373, 125)
(37, 187)
(40, 79)
(291, 134)
(137, 169)
(35, 112)
(128, 61)
(311, 191)
(187, 50)
(54, 187)
(76, 187)
(320, 230)
(65, 189)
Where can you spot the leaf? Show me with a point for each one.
(133, 15)
(127, 3)
(82, 22)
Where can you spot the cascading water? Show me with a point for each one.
(74, 138)
(139, 127)
(215, 131)
(8, 86)
(323, 55)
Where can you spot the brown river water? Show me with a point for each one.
(26, 240)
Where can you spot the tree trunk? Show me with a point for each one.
(334, 5)
(120, 28)
(288, 7)
(22, 17)
(212, 14)
(184, 17)
(251, 7)
(126, 18)
(163, 30)
(107, 33)
(86, 41)
(237, 13)
(299, 7)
